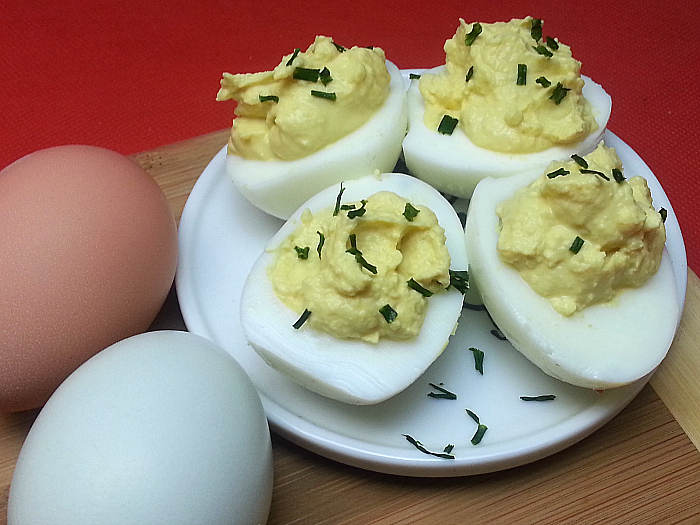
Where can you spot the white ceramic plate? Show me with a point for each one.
(220, 237)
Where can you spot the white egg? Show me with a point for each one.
(602, 346)
(160, 428)
(347, 370)
(454, 164)
(279, 187)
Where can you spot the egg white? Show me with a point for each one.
(279, 187)
(454, 164)
(602, 346)
(352, 371)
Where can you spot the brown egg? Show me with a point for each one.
(88, 250)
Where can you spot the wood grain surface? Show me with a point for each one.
(642, 467)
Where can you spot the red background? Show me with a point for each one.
(132, 76)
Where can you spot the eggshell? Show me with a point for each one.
(89, 250)
(161, 428)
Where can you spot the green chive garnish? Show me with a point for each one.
(542, 81)
(543, 51)
(269, 98)
(580, 161)
(321, 240)
(576, 245)
(558, 93)
(442, 393)
(481, 429)
(388, 313)
(478, 360)
(448, 449)
(302, 253)
(547, 397)
(323, 94)
(664, 213)
(470, 74)
(410, 212)
(444, 455)
(413, 76)
(522, 75)
(358, 255)
(358, 212)
(447, 125)
(325, 76)
(552, 43)
(476, 31)
(536, 29)
(415, 285)
(596, 172)
(294, 55)
(557, 173)
(337, 200)
(305, 73)
(460, 280)
(617, 175)
(304, 316)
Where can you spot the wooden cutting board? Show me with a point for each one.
(642, 467)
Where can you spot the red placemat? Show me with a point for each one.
(132, 76)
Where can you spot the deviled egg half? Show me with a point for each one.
(360, 290)
(322, 116)
(572, 267)
(508, 100)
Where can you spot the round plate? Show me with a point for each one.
(221, 235)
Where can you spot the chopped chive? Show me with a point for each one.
(269, 98)
(358, 255)
(522, 75)
(543, 51)
(596, 172)
(302, 253)
(294, 55)
(536, 29)
(552, 43)
(558, 93)
(325, 76)
(340, 48)
(323, 94)
(305, 73)
(580, 161)
(447, 125)
(304, 316)
(413, 76)
(321, 240)
(346, 207)
(448, 448)
(419, 446)
(471, 36)
(478, 360)
(415, 285)
(617, 175)
(337, 200)
(481, 429)
(542, 81)
(388, 313)
(358, 212)
(557, 172)
(442, 393)
(576, 245)
(546, 397)
(470, 74)
(410, 212)
(664, 214)
(460, 280)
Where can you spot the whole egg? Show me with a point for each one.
(89, 250)
(164, 428)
